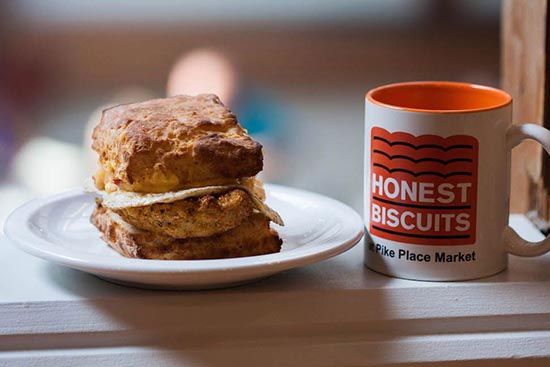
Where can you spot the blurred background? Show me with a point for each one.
(295, 73)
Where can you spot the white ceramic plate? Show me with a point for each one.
(57, 228)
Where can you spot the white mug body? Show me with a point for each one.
(436, 191)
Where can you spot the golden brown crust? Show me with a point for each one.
(252, 237)
(168, 144)
(194, 217)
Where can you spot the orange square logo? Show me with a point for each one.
(423, 188)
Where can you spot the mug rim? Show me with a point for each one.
(495, 92)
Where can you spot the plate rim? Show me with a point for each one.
(23, 239)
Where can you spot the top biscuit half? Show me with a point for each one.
(172, 144)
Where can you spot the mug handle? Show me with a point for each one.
(513, 243)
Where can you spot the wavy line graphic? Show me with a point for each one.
(442, 175)
(422, 146)
(392, 157)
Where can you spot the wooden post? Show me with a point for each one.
(524, 49)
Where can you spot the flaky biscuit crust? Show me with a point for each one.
(252, 237)
(173, 143)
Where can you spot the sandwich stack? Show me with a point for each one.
(176, 180)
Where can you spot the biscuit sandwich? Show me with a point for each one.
(177, 181)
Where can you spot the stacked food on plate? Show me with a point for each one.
(177, 180)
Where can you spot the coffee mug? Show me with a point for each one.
(437, 180)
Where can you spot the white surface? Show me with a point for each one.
(57, 228)
(332, 313)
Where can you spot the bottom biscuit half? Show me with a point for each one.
(252, 237)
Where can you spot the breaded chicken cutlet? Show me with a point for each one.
(176, 180)
(201, 216)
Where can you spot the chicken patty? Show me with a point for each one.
(194, 217)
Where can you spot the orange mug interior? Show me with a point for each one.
(442, 97)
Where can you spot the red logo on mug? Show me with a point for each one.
(423, 188)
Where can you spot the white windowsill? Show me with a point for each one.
(335, 311)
